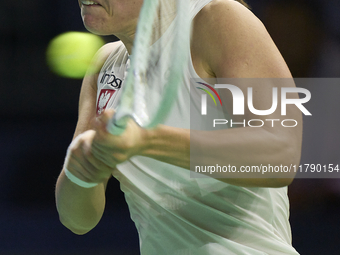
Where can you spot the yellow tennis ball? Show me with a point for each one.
(70, 54)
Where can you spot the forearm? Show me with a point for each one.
(236, 147)
(250, 148)
(80, 209)
(168, 144)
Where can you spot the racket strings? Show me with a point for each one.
(157, 62)
(151, 78)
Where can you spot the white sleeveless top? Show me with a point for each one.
(178, 215)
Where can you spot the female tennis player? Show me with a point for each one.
(173, 213)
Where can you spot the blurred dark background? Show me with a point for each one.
(38, 114)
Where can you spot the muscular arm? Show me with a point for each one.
(80, 209)
(238, 47)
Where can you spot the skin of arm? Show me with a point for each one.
(80, 209)
(238, 47)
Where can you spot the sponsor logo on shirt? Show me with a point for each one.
(111, 79)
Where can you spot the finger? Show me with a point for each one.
(80, 158)
(96, 161)
(100, 126)
(86, 170)
(109, 113)
(100, 163)
(79, 169)
(104, 118)
(104, 154)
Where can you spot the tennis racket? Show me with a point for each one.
(159, 55)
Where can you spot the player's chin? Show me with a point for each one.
(95, 31)
(94, 28)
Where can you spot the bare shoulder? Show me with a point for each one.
(227, 18)
(233, 42)
(222, 10)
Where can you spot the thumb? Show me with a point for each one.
(102, 121)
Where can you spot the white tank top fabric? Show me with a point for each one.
(178, 215)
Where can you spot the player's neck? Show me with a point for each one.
(127, 40)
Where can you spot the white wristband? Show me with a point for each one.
(77, 181)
